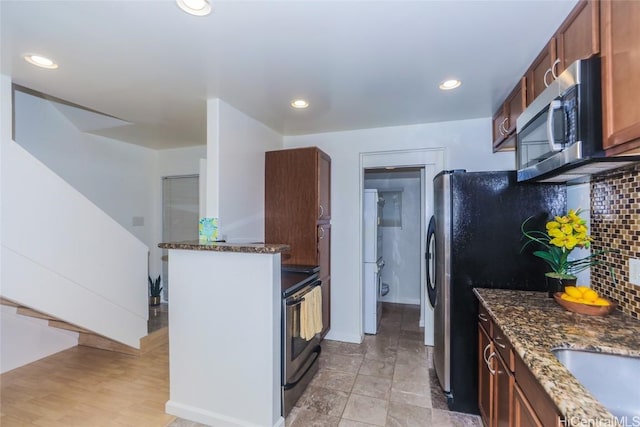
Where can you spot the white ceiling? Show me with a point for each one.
(360, 64)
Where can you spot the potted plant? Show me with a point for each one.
(155, 291)
(562, 235)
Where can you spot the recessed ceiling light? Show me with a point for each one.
(299, 103)
(40, 61)
(450, 84)
(195, 7)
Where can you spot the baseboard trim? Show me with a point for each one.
(344, 337)
(198, 415)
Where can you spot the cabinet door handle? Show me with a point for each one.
(553, 68)
(546, 73)
(484, 353)
(321, 233)
(321, 211)
(482, 317)
(497, 341)
(491, 356)
(504, 125)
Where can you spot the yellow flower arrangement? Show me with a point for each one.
(563, 234)
(568, 231)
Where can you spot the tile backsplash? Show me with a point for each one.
(615, 224)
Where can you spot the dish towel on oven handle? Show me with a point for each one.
(311, 314)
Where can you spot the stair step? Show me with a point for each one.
(87, 338)
(64, 325)
(25, 311)
(8, 303)
(147, 343)
(154, 340)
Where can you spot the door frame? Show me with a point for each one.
(432, 161)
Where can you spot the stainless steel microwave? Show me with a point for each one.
(563, 126)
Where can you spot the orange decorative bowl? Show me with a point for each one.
(589, 310)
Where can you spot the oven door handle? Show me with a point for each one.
(316, 353)
(297, 301)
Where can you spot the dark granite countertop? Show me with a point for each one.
(248, 248)
(535, 324)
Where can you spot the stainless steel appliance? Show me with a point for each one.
(559, 136)
(299, 356)
(474, 240)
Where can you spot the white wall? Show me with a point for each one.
(120, 178)
(181, 161)
(6, 118)
(25, 339)
(401, 245)
(236, 144)
(579, 197)
(468, 146)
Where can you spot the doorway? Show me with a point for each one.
(180, 215)
(426, 164)
(400, 226)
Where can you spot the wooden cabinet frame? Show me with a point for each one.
(298, 212)
(504, 121)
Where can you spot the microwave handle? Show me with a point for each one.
(556, 104)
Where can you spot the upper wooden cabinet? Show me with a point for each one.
(539, 75)
(504, 121)
(579, 35)
(577, 38)
(297, 198)
(620, 40)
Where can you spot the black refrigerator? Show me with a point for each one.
(474, 241)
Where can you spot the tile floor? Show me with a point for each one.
(386, 381)
(158, 317)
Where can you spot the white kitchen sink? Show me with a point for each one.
(611, 378)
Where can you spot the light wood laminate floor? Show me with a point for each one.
(87, 387)
(385, 381)
(84, 386)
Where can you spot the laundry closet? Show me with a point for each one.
(399, 207)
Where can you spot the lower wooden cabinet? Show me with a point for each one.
(509, 395)
(503, 395)
(495, 383)
(523, 414)
(485, 379)
(324, 260)
(325, 287)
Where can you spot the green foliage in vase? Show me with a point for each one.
(155, 290)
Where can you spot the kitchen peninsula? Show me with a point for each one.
(224, 333)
